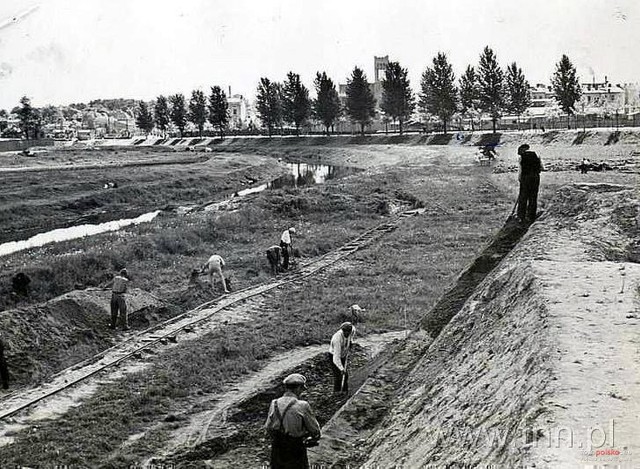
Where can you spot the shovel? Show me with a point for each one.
(344, 373)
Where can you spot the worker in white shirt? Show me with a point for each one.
(339, 352)
(286, 245)
(215, 264)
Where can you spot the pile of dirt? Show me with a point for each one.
(538, 367)
(45, 338)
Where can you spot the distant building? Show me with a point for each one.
(379, 67)
(238, 111)
(605, 98)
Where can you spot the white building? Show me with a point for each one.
(238, 111)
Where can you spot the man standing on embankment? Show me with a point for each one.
(530, 167)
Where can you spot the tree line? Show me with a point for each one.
(485, 89)
(174, 109)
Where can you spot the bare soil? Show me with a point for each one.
(537, 369)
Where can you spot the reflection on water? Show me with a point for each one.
(65, 234)
(303, 174)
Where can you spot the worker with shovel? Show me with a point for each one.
(339, 355)
(529, 178)
(118, 303)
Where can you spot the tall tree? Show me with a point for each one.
(178, 112)
(469, 93)
(491, 81)
(268, 104)
(439, 95)
(397, 97)
(29, 117)
(360, 105)
(327, 105)
(161, 114)
(218, 109)
(144, 118)
(518, 93)
(198, 110)
(296, 102)
(566, 88)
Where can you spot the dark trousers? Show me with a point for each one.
(274, 260)
(118, 305)
(4, 371)
(285, 254)
(528, 197)
(288, 452)
(337, 376)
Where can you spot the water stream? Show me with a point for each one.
(303, 174)
(300, 174)
(73, 232)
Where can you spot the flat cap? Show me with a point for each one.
(523, 147)
(292, 230)
(295, 379)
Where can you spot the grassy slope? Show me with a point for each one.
(404, 274)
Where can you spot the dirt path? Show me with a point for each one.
(213, 420)
(122, 164)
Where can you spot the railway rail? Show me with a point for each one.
(168, 330)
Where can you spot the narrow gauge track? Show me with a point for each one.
(139, 341)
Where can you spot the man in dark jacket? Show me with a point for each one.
(274, 256)
(530, 167)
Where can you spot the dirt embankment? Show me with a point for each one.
(43, 339)
(601, 136)
(539, 366)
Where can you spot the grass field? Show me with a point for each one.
(398, 280)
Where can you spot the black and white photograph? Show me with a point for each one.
(353, 234)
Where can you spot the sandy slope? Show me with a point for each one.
(541, 359)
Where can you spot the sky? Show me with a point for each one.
(68, 51)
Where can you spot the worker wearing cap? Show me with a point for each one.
(285, 244)
(339, 351)
(292, 426)
(118, 304)
(214, 265)
(530, 167)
